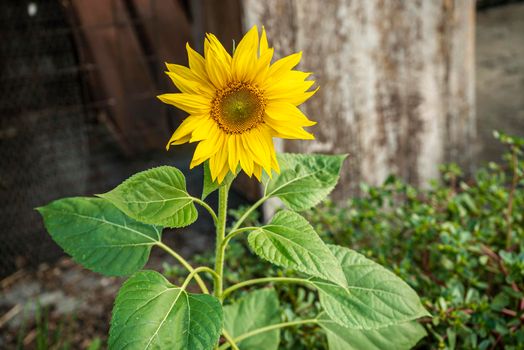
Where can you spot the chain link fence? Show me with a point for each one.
(63, 126)
(78, 107)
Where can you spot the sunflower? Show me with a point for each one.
(238, 103)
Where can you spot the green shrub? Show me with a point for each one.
(459, 244)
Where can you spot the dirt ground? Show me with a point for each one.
(64, 306)
(56, 307)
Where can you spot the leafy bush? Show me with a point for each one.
(459, 244)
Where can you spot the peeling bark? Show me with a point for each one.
(396, 81)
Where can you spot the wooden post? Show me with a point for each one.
(396, 81)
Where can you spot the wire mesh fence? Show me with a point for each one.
(78, 115)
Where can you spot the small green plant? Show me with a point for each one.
(47, 335)
(237, 105)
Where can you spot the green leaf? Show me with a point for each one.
(288, 240)
(157, 196)
(374, 297)
(401, 336)
(304, 179)
(98, 235)
(211, 186)
(255, 310)
(151, 313)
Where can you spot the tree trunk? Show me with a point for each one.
(396, 81)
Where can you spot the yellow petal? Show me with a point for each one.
(184, 85)
(246, 162)
(285, 64)
(262, 68)
(286, 85)
(232, 152)
(204, 150)
(245, 56)
(203, 86)
(184, 72)
(257, 171)
(222, 151)
(290, 76)
(219, 49)
(217, 67)
(263, 42)
(206, 129)
(259, 148)
(247, 141)
(301, 97)
(287, 96)
(219, 159)
(285, 112)
(178, 141)
(289, 132)
(214, 169)
(274, 162)
(197, 63)
(266, 140)
(183, 133)
(192, 104)
(223, 173)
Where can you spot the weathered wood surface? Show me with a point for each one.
(396, 81)
(222, 18)
(122, 40)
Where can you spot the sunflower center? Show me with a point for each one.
(238, 108)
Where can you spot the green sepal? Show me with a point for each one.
(211, 186)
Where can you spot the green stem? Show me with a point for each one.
(265, 280)
(230, 340)
(195, 272)
(221, 231)
(249, 211)
(236, 232)
(267, 329)
(184, 263)
(509, 209)
(207, 207)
